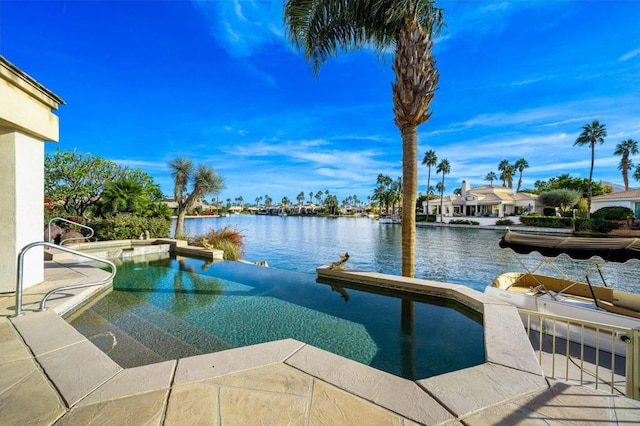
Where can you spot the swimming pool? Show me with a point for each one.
(174, 307)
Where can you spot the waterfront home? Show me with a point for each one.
(629, 199)
(485, 201)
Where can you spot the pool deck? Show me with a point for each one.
(49, 373)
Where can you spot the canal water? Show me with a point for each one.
(471, 257)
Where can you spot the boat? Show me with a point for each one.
(389, 220)
(567, 297)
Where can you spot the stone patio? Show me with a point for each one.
(49, 373)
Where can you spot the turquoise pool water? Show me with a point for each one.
(170, 308)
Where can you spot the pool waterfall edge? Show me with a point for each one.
(510, 370)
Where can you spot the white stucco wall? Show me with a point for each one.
(597, 205)
(21, 214)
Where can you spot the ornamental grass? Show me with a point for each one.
(227, 239)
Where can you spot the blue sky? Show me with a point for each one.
(218, 81)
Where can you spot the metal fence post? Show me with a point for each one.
(633, 364)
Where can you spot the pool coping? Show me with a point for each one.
(510, 371)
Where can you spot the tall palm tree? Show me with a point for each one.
(324, 28)
(520, 165)
(205, 181)
(445, 168)
(591, 134)
(430, 159)
(625, 149)
(503, 167)
(490, 177)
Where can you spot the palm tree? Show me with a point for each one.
(445, 168)
(181, 170)
(503, 168)
(430, 159)
(625, 149)
(123, 196)
(591, 134)
(205, 181)
(440, 189)
(520, 165)
(490, 177)
(323, 29)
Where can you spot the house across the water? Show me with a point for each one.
(485, 201)
(630, 199)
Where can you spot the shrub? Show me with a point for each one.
(227, 239)
(126, 226)
(563, 198)
(613, 213)
(546, 221)
(504, 222)
(463, 222)
(421, 217)
(596, 225)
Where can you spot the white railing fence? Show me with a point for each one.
(601, 356)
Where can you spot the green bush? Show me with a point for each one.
(596, 225)
(547, 221)
(463, 222)
(127, 226)
(613, 213)
(421, 217)
(504, 222)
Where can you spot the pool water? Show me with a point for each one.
(177, 307)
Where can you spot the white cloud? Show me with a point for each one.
(630, 55)
(243, 28)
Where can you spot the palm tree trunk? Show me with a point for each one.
(180, 222)
(409, 189)
(589, 187)
(428, 185)
(625, 171)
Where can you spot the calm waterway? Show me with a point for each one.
(471, 257)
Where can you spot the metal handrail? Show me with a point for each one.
(19, 284)
(91, 231)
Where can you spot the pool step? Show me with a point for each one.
(156, 340)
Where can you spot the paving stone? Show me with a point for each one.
(26, 396)
(216, 364)
(578, 405)
(134, 380)
(510, 414)
(46, 331)
(141, 409)
(627, 410)
(391, 392)
(503, 324)
(78, 370)
(278, 378)
(245, 407)
(331, 405)
(471, 389)
(13, 348)
(193, 404)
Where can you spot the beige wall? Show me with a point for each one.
(21, 214)
(26, 121)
